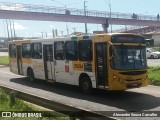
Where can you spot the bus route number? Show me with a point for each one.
(78, 66)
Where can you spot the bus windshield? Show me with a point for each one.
(128, 57)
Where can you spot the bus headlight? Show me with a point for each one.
(114, 76)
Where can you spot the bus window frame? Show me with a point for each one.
(89, 53)
(76, 51)
(11, 51)
(30, 56)
(40, 54)
(63, 50)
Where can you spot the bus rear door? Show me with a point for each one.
(48, 62)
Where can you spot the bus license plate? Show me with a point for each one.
(134, 85)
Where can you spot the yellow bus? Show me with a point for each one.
(106, 61)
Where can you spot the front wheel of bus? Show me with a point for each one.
(30, 75)
(86, 85)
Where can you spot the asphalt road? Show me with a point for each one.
(139, 99)
(3, 53)
(153, 62)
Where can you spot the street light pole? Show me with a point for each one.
(10, 25)
(42, 34)
(74, 30)
(85, 15)
(62, 33)
(14, 30)
(110, 11)
(46, 34)
(8, 30)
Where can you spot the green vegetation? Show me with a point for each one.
(4, 60)
(154, 75)
(157, 48)
(9, 103)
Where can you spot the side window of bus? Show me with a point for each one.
(59, 53)
(36, 49)
(12, 50)
(71, 50)
(26, 50)
(85, 50)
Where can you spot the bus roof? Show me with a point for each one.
(73, 37)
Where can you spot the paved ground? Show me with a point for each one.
(3, 53)
(153, 62)
(140, 99)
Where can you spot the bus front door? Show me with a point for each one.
(101, 64)
(48, 62)
(19, 60)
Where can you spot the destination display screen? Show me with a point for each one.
(127, 39)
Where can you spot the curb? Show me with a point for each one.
(2, 65)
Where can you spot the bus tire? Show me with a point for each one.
(86, 85)
(30, 75)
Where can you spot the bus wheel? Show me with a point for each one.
(30, 75)
(86, 85)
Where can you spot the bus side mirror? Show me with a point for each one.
(111, 50)
(110, 58)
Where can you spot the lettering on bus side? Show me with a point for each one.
(78, 66)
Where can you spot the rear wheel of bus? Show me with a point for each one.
(86, 85)
(30, 75)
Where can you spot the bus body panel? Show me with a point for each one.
(13, 65)
(26, 63)
(122, 82)
(38, 68)
(64, 72)
(99, 69)
(78, 71)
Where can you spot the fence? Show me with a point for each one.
(73, 11)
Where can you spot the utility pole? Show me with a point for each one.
(10, 25)
(42, 34)
(66, 22)
(46, 34)
(85, 15)
(67, 29)
(62, 33)
(110, 10)
(14, 30)
(53, 33)
(8, 30)
(74, 30)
